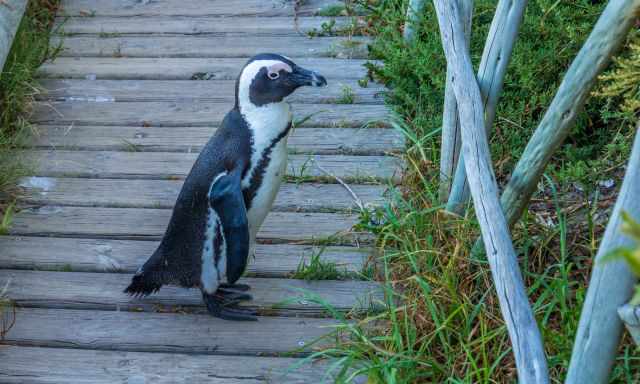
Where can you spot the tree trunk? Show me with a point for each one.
(413, 15)
(610, 287)
(450, 148)
(514, 304)
(493, 66)
(11, 12)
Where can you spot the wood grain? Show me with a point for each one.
(123, 193)
(172, 165)
(196, 25)
(104, 255)
(76, 366)
(163, 332)
(90, 8)
(150, 224)
(183, 69)
(103, 291)
(195, 90)
(210, 46)
(493, 67)
(610, 287)
(195, 114)
(516, 311)
(318, 141)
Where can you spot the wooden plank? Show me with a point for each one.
(103, 291)
(11, 12)
(150, 224)
(319, 141)
(514, 304)
(103, 255)
(194, 113)
(119, 193)
(219, 91)
(210, 46)
(610, 287)
(163, 332)
(183, 68)
(172, 165)
(196, 25)
(90, 8)
(75, 366)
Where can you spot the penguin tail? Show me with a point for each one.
(143, 284)
(149, 278)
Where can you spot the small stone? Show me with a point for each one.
(301, 343)
(607, 183)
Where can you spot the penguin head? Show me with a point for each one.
(268, 78)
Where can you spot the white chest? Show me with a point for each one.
(269, 157)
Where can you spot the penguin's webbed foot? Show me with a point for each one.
(231, 297)
(235, 287)
(218, 307)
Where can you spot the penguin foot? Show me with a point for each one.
(235, 287)
(218, 307)
(231, 298)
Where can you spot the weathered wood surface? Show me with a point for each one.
(610, 287)
(630, 315)
(319, 141)
(219, 91)
(194, 113)
(21, 365)
(163, 332)
(269, 8)
(183, 68)
(523, 331)
(450, 147)
(150, 224)
(493, 67)
(118, 193)
(210, 46)
(104, 255)
(103, 291)
(11, 12)
(172, 165)
(414, 11)
(196, 25)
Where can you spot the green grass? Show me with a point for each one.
(318, 269)
(18, 87)
(348, 96)
(333, 10)
(448, 327)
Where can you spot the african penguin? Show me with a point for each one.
(229, 191)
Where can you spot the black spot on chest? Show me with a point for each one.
(257, 177)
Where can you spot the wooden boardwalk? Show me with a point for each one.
(138, 89)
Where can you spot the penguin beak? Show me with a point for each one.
(304, 77)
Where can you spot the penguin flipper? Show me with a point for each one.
(226, 198)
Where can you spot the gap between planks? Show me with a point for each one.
(104, 291)
(125, 256)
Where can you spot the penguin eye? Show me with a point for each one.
(273, 75)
